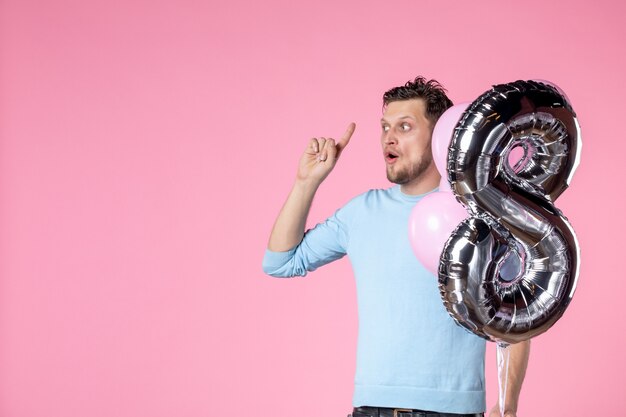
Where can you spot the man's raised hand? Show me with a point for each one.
(321, 155)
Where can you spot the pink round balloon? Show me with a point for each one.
(442, 134)
(431, 223)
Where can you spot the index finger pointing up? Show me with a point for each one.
(343, 142)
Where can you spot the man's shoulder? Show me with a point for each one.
(375, 194)
(371, 197)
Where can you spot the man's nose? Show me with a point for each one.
(389, 137)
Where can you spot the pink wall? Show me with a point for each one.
(146, 146)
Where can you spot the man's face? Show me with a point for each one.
(406, 140)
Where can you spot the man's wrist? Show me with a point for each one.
(306, 186)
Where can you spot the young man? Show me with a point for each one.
(411, 355)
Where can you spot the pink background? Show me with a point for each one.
(146, 147)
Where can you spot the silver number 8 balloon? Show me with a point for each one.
(508, 272)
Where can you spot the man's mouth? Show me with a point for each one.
(390, 157)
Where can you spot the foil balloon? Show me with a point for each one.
(508, 272)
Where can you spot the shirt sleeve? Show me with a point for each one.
(320, 245)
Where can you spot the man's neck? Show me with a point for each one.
(425, 183)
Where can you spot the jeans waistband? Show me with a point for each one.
(404, 412)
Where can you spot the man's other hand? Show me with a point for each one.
(495, 412)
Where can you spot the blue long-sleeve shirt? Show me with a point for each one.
(410, 352)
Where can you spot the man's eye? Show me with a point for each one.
(385, 128)
(405, 126)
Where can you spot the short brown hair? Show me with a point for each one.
(433, 94)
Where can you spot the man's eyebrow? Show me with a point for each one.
(399, 118)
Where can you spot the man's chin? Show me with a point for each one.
(396, 179)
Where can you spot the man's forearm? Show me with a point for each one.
(289, 227)
(518, 362)
(317, 161)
